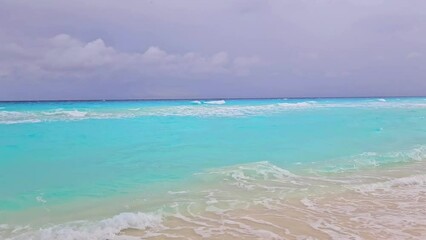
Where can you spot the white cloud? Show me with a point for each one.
(65, 55)
(157, 56)
(220, 59)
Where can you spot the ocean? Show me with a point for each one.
(349, 168)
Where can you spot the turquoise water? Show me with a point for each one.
(54, 154)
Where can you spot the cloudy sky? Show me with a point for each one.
(211, 49)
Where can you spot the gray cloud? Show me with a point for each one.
(240, 48)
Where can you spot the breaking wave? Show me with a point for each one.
(394, 184)
(216, 108)
(105, 229)
(368, 160)
(215, 102)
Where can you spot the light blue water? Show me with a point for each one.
(54, 153)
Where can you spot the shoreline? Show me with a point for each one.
(320, 207)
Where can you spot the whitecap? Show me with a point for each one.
(59, 112)
(307, 104)
(215, 102)
(75, 113)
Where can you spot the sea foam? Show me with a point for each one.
(104, 229)
(404, 182)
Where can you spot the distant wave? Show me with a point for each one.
(13, 117)
(213, 102)
(297, 105)
(74, 113)
(216, 102)
(203, 109)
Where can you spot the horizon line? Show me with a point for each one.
(195, 99)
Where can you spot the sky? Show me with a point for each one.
(156, 49)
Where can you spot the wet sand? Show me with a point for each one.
(386, 203)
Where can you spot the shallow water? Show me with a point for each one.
(269, 169)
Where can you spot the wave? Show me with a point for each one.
(14, 117)
(216, 102)
(404, 182)
(109, 228)
(263, 201)
(264, 170)
(368, 160)
(247, 176)
(212, 102)
(289, 201)
(307, 104)
(205, 109)
(72, 113)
